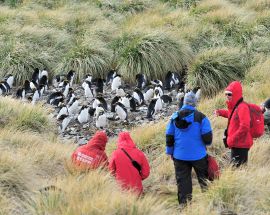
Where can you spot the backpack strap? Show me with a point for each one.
(239, 101)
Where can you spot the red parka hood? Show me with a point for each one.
(98, 141)
(125, 141)
(236, 88)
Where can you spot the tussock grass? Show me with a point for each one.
(152, 55)
(94, 193)
(214, 69)
(27, 117)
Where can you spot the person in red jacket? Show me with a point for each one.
(239, 139)
(92, 155)
(121, 165)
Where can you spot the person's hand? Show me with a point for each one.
(216, 113)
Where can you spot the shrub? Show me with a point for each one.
(212, 70)
(154, 55)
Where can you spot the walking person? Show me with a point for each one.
(122, 166)
(237, 136)
(92, 155)
(187, 135)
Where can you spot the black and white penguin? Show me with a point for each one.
(100, 100)
(65, 88)
(154, 106)
(148, 95)
(121, 111)
(44, 81)
(88, 92)
(197, 92)
(171, 80)
(157, 82)
(101, 118)
(57, 80)
(70, 96)
(36, 75)
(166, 99)
(36, 96)
(10, 80)
(30, 86)
(116, 82)
(89, 78)
(56, 99)
(99, 85)
(20, 94)
(66, 120)
(84, 115)
(138, 96)
(125, 101)
(74, 107)
(132, 102)
(111, 74)
(4, 86)
(70, 77)
(62, 112)
(141, 81)
(159, 89)
(113, 103)
(120, 91)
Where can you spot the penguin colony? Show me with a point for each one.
(147, 98)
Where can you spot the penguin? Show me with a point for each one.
(101, 118)
(70, 96)
(171, 80)
(148, 95)
(125, 101)
(88, 78)
(70, 77)
(57, 80)
(56, 99)
(166, 99)
(99, 85)
(113, 103)
(62, 112)
(121, 111)
(197, 92)
(116, 82)
(100, 100)
(30, 86)
(9, 79)
(74, 108)
(4, 87)
(36, 75)
(44, 81)
(138, 96)
(111, 74)
(41, 89)
(159, 88)
(84, 115)
(88, 92)
(141, 81)
(65, 123)
(20, 93)
(157, 82)
(65, 88)
(36, 96)
(154, 106)
(120, 91)
(132, 103)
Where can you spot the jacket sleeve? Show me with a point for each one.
(170, 138)
(206, 131)
(145, 171)
(244, 125)
(112, 166)
(223, 112)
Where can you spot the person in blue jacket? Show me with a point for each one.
(187, 135)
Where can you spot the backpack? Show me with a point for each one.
(256, 120)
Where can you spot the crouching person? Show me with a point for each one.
(128, 164)
(92, 155)
(187, 134)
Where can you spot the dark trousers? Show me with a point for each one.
(183, 177)
(239, 156)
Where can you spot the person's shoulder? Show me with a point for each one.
(199, 116)
(174, 115)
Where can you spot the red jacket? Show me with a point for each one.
(239, 128)
(92, 155)
(121, 166)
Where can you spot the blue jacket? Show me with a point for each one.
(187, 134)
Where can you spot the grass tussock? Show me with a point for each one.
(94, 193)
(152, 55)
(214, 69)
(27, 117)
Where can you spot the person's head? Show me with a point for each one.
(190, 99)
(124, 139)
(98, 141)
(233, 93)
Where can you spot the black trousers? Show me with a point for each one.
(183, 177)
(239, 156)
